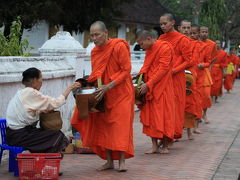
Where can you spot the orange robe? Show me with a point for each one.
(157, 114)
(209, 55)
(217, 73)
(200, 72)
(228, 81)
(181, 60)
(193, 107)
(113, 129)
(236, 64)
(237, 67)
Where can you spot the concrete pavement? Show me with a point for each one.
(213, 155)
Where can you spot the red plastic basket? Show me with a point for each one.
(35, 166)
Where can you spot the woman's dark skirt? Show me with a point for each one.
(37, 140)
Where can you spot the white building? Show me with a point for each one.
(138, 15)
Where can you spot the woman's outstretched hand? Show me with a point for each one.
(75, 85)
(71, 87)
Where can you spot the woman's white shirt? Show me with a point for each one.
(25, 107)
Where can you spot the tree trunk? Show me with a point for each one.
(7, 29)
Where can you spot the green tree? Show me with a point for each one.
(232, 23)
(27, 9)
(213, 14)
(222, 16)
(183, 9)
(74, 15)
(12, 45)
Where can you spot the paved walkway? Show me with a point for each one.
(214, 155)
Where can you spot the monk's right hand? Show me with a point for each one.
(143, 89)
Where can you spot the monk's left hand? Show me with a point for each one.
(101, 91)
(143, 89)
(173, 71)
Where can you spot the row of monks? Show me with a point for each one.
(167, 108)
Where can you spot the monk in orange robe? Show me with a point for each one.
(181, 60)
(110, 133)
(231, 71)
(157, 114)
(235, 60)
(191, 109)
(237, 66)
(209, 58)
(218, 71)
(200, 75)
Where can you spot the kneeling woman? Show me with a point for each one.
(23, 112)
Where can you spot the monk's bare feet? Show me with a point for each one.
(215, 99)
(122, 167)
(121, 162)
(196, 131)
(176, 140)
(160, 143)
(155, 146)
(164, 150)
(189, 133)
(106, 167)
(190, 137)
(170, 144)
(206, 120)
(152, 151)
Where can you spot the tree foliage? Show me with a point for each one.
(26, 9)
(73, 15)
(222, 16)
(180, 8)
(13, 45)
(213, 14)
(232, 23)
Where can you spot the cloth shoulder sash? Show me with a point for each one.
(100, 57)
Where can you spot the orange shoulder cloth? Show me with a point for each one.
(100, 57)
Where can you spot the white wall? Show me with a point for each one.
(58, 74)
(78, 36)
(122, 31)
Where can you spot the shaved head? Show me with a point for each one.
(145, 33)
(167, 22)
(203, 33)
(203, 27)
(184, 22)
(99, 33)
(100, 24)
(194, 34)
(146, 38)
(196, 27)
(169, 16)
(218, 44)
(185, 27)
